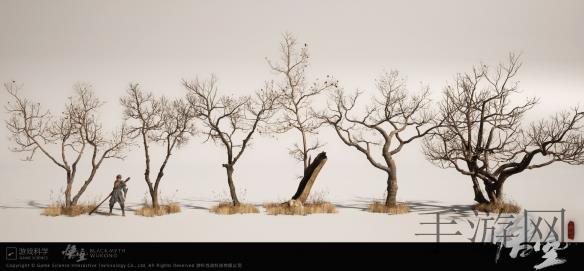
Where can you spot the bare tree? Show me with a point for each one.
(483, 136)
(64, 140)
(393, 119)
(231, 121)
(296, 95)
(157, 121)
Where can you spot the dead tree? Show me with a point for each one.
(310, 175)
(484, 136)
(392, 120)
(66, 139)
(230, 121)
(156, 120)
(296, 95)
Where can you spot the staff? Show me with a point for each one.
(116, 198)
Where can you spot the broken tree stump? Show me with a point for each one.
(309, 178)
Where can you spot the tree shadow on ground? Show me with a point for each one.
(422, 207)
(36, 205)
(30, 205)
(195, 204)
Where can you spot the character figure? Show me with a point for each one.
(118, 194)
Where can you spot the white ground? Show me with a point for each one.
(22, 221)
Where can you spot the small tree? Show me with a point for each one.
(484, 136)
(230, 121)
(392, 120)
(156, 120)
(64, 140)
(296, 95)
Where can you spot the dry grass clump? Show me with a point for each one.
(380, 207)
(148, 211)
(58, 209)
(227, 208)
(318, 207)
(316, 204)
(497, 207)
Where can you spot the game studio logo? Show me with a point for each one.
(73, 253)
(81, 254)
(11, 254)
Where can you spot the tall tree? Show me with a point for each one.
(231, 121)
(156, 120)
(64, 140)
(393, 119)
(296, 97)
(484, 135)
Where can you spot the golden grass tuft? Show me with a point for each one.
(58, 209)
(380, 207)
(227, 208)
(498, 207)
(164, 209)
(318, 207)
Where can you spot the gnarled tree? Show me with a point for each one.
(392, 120)
(296, 95)
(66, 139)
(156, 120)
(484, 137)
(229, 121)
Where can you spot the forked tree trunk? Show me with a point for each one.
(154, 197)
(232, 191)
(309, 178)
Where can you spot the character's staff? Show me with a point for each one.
(110, 194)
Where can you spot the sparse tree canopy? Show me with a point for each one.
(160, 121)
(393, 119)
(64, 140)
(296, 97)
(484, 136)
(231, 121)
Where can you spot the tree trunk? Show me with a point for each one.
(499, 191)
(85, 185)
(309, 178)
(155, 203)
(491, 192)
(229, 169)
(304, 151)
(478, 194)
(68, 201)
(391, 200)
(79, 193)
(495, 190)
(154, 197)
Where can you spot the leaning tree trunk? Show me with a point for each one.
(232, 192)
(309, 178)
(85, 185)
